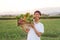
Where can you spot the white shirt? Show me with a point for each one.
(32, 35)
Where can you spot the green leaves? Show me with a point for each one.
(27, 14)
(28, 18)
(20, 16)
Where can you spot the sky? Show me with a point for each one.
(26, 5)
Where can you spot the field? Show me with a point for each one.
(10, 31)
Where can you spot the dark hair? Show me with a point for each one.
(37, 12)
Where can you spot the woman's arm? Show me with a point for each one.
(37, 33)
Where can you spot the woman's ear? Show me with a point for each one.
(33, 17)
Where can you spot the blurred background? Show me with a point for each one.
(50, 17)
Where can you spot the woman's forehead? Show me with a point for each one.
(36, 13)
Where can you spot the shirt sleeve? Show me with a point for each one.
(41, 28)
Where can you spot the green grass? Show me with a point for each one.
(10, 31)
(52, 29)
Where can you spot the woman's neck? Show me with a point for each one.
(37, 21)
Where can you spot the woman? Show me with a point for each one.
(36, 29)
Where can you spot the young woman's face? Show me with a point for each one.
(36, 16)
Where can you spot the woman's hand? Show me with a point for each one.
(32, 25)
